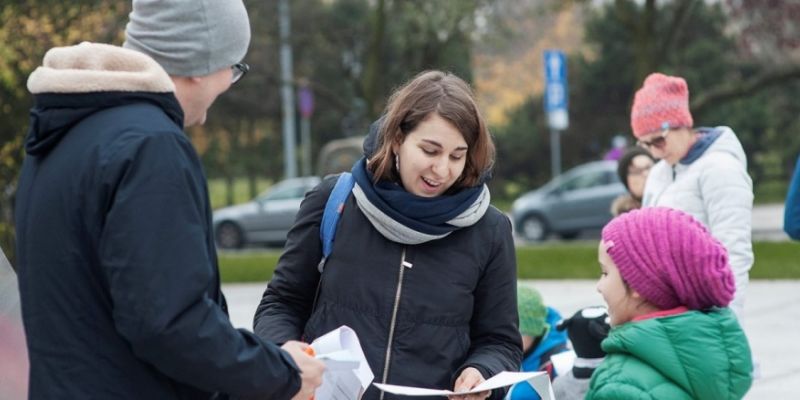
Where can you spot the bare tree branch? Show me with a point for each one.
(625, 15)
(682, 13)
(644, 40)
(335, 99)
(369, 83)
(731, 91)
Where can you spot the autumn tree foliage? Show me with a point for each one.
(28, 28)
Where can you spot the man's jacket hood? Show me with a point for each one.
(78, 81)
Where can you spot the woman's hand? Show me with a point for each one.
(469, 378)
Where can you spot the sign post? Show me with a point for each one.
(555, 103)
(305, 99)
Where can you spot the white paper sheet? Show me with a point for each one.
(339, 360)
(539, 380)
(347, 373)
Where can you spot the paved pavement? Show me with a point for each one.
(772, 323)
(768, 223)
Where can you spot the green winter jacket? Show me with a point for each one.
(693, 355)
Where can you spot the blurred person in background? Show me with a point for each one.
(618, 143)
(13, 353)
(791, 211)
(587, 329)
(632, 169)
(540, 339)
(701, 171)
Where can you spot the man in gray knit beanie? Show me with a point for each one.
(199, 43)
(122, 295)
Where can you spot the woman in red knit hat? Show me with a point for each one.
(703, 171)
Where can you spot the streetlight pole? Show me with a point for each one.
(287, 94)
(305, 100)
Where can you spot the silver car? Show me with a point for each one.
(579, 199)
(265, 219)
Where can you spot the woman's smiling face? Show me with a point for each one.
(432, 157)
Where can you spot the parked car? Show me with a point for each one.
(265, 219)
(579, 199)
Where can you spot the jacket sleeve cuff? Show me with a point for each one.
(293, 386)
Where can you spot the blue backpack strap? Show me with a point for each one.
(333, 211)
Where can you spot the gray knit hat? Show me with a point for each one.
(189, 37)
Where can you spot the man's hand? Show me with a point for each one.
(469, 378)
(311, 369)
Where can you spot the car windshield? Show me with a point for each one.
(587, 180)
(283, 191)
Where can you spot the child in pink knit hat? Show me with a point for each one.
(667, 283)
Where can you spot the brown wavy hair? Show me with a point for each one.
(452, 99)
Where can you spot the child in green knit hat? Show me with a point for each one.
(539, 340)
(532, 312)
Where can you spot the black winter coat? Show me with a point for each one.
(117, 268)
(422, 313)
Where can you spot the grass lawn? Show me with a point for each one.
(774, 260)
(241, 191)
(247, 266)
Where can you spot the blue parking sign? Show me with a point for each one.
(555, 90)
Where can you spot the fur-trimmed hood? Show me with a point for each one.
(95, 67)
(77, 81)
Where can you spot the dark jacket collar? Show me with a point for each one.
(54, 114)
(704, 141)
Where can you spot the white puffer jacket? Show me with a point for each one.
(716, 190)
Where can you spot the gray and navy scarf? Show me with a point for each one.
(406, 218)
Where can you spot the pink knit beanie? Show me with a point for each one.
(661, 103)
(670, 259)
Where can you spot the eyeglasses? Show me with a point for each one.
(238, 71)
(658, 142)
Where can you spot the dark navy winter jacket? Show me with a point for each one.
(422, 312)
(117, 268)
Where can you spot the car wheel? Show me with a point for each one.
(533, 228)
(229, 236)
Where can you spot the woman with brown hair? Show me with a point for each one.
(423, 268)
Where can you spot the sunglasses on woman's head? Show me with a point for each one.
(658, 142)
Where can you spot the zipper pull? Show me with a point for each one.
(407, 264)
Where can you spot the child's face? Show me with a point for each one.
(618, 297)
